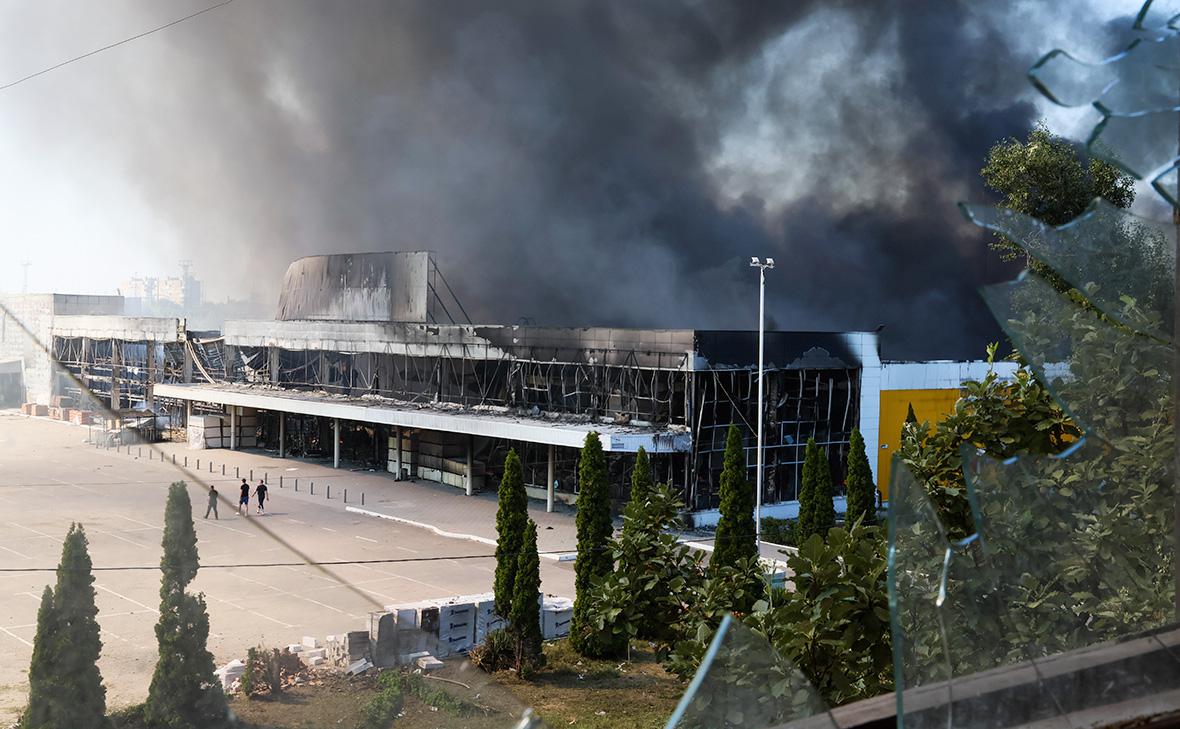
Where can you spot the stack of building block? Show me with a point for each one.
(556, 614)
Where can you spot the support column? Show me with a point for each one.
(550, 481)
(149, 393)
(335, 442)
(272, 365)
(188, 363)
(397, 438)
(470, 447)
(233, 427)
(116, 346)
(282, 434)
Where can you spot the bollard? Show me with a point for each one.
(173, 459)
(223, 469)
(237, 474)
(313, 488)
(329, 492)
(186, 461)
(280, 480)
(198, 464)
(139, 453)
(251, 474)
(346, 496)
(211, 466)
(266, 478)
(296, 485)
(362, 498)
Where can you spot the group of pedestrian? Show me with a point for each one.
(243, 499)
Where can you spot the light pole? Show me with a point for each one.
(755, 262)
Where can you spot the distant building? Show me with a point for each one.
(146, 292)
(365, 362)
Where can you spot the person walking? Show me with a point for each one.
(260, 492)
(244, 499)
(212, 503)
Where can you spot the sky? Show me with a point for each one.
(578, 163)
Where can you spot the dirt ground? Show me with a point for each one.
(568, 692)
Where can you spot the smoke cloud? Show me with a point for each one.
(575, 163)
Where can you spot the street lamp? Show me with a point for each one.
(756, 263)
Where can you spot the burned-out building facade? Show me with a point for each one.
(371, 359)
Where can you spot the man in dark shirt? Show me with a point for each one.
(260, 492)
(212, 503)
(244, 499)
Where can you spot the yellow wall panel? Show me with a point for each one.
(929, 405)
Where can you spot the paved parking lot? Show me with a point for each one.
(49, 477)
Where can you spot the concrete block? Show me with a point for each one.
(317, 661)
(428, 663)
(314, 653)
(358, 667)
(556, 614)
(310, 642)
(295, 648)
(356, 645)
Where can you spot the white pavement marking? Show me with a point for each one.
(28, 529)
(327, 529)
(10, 634)
(22, 556)
(374, 541)
(142, 523)
(116, 536)
(104, 588)
(223, 526)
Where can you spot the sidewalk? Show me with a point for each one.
(424, 503)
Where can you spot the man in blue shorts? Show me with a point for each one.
(244, 499)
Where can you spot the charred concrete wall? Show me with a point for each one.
(391, 286)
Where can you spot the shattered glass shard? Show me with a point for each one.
(1106, 252)
(744, 682)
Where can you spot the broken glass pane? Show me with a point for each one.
(744, 682)
(1106, 252)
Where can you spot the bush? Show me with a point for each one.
(412, 684)
(496, 653)
(380, 711)
(778, 531)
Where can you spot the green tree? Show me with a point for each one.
(1045, 177)
(184, 692)
(65, 686)
(910, 417)
(641, 485)
(594, 532)
(735, 538)
(45, 708)
(78, 633)
(525, 619)
(512, 516)
(655, 577)
(860, 492)
(817, 514)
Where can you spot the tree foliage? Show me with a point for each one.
(641, 485)
(1045, 177)
(735, 539)
(184, 692)
(525, 619)
(834, 626)
(859, 489)
(512, 517)
(817, 513)
(594, 529)
(65, 686)
(656, 577)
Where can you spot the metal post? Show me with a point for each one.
(282, 435)
(346, 496)
(329, 492)
(551, 480)
(335, 442)
(470, 484)
(280, 480)
(362, 498)
(397, 439)
(761, 415)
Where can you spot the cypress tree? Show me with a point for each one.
(594, 532)
(910, 417)
(525, 620)
(735, 538)
(184, 693)
(860, 492)
(44, 710)
(78, 634)
(512, 516)
(817, 514)
(65, 686)
(641, 487)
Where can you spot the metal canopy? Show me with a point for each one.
(615, 439)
